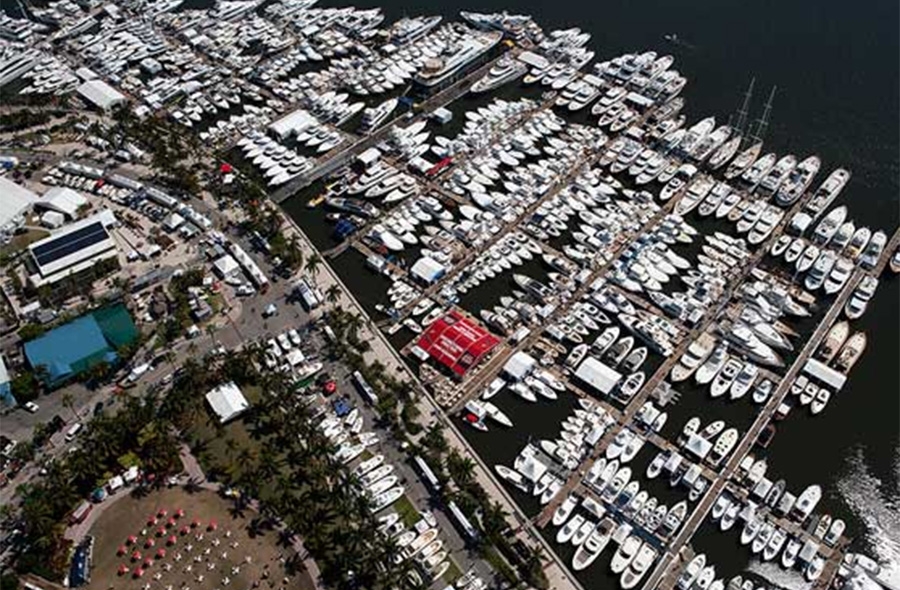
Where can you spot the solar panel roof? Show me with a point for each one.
(70, 243)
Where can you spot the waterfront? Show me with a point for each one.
(837, 97)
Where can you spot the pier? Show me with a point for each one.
(666, 367)
(330, 164)
(669, 562)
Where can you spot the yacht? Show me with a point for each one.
(594, 545)
(827, 192)
(624, 555)
(507, 69)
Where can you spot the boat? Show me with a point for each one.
(564, 510)
(594, 545)
(744, 380)
(565, 534)
(723, 445)
(775, 544)
(833, 342)
(385, 499)
(726, 377)
(638, 567)
(687, 577)
(851, 352)
(806, 502)
(512, 476)
(626, 552)
(743, 161)
(835, 531)
(707, 371)
(632, 384)
(790, 553)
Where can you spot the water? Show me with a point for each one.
(835, 66)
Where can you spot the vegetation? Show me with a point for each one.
(25, 387)
(280, 457)
(135, 430)
(23, 119)
(179, 316)
(496, 543)
(172, 150)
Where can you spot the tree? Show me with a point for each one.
(25, 387)
(312, 265)
(68, 400)
(333, 294)
(461, 468)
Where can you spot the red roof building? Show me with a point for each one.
(457, 342)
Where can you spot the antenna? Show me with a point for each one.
(763, 122)
(741, 119)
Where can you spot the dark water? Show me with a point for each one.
(836, 68)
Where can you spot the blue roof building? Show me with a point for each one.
(75, 347)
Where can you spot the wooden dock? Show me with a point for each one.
(694, 521)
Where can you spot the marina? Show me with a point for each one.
(557, 303)
(619, 302)
(588, 270)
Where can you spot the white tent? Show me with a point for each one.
(428, 270)
(597, 375)
(227, 401)
(226, 266)
(62, 200)
(15, 204)
(519, 365)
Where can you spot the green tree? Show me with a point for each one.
(68, 400)
(312, 265)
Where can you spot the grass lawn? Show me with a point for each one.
(408, 513)
(200, 558)
(21, 241)
(452, 574)
(228, 450)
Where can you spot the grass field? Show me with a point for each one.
(232, 554)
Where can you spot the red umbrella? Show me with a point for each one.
(172, 540)
(195, 523)
(160, 553)
(225, 168)
(185, 530)
(170, 522)
(151, 521)
(160, 531)
(131, 540)
(213, 525)
(121, 550)
(123, 569)
(179, 513)
(149, 543)
(138, 573)
(136, 556)
(162, 513)
(148, 562)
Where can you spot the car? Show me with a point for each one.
(284, 342)
(294, 335)
(273, 347)
(73, 431)
(270, 310)
(270, 362)
(31, 407)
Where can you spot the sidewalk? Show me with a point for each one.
(383, 352)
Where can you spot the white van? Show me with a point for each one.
(73, 431)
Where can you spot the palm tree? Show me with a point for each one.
(68, 400)
(312, 265)
(461, 468)
(333, 294)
